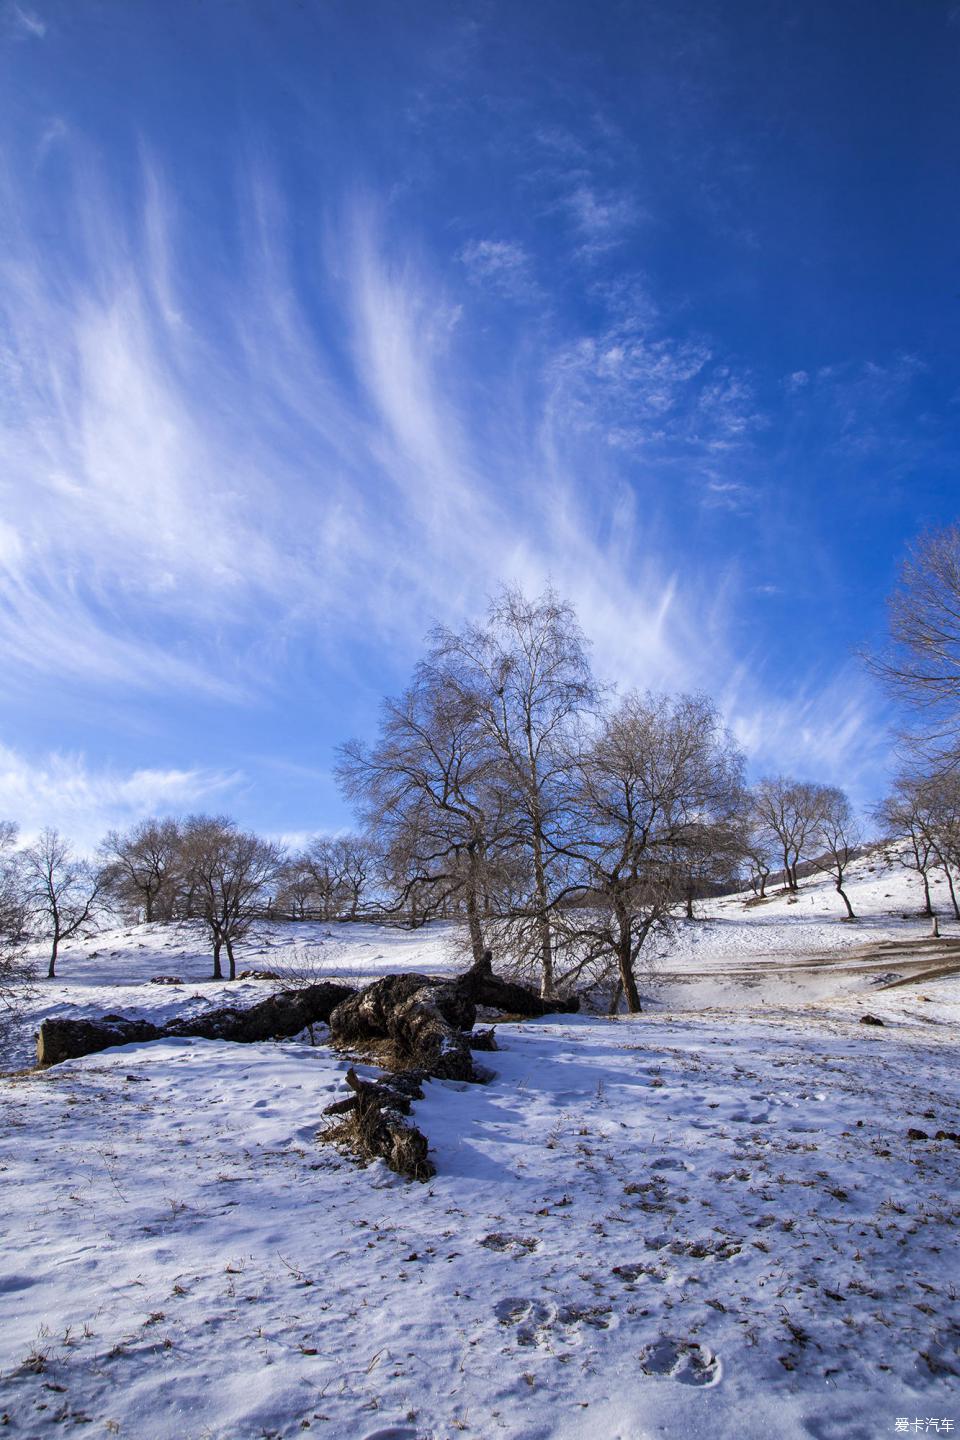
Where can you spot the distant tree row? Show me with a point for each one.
(204, 868)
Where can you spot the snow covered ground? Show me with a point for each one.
(707, 1220)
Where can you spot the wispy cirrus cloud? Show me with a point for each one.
(209, 465)
(501, 266)
(601, 219)
(22, 21)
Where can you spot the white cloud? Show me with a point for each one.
(26, 22)
(603, 220)
(502, 266)
(727, 495)
(831, 732)
(62, 791)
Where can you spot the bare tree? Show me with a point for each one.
(296, 888)
(756, 852)
(13, 907)
(142, 867)
(525, 675)
(841, 839)
(230, 872)
(660, 781)
(943, 813)
(710, 861)
(786, 814)
(904, 816)
(16, 973)
(357, 858)
(61, 891)
(339, 869)
(427, 788)
(922, 665)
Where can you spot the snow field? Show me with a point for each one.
(699, 1221)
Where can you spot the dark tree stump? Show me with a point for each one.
(424, 1017)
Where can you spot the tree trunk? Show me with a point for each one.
(473, 911)
(423, 1018)
(843, 896)
(283, 1014)
(473, 923)
(953, 893)
(543, 919)
(148, 905)
(52, 967)
(927, 905)
(217, 972)
(230, 957)
(689, 900)
(625, 964)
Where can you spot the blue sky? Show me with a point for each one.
(317, 321)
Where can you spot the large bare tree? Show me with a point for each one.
(786, 815)
(660, 783)
(428, 787)
(142, 867)
(525, 675)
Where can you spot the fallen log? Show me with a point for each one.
(65, 1039)
(488, 989)
(279, 1016)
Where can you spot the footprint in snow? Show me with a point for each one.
(393, 1432)
(528, 1316)
(681, 1360)
(519, 1244)
(598, 1317)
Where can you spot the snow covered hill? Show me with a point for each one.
(728, 1216)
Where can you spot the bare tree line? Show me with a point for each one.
(564, 826)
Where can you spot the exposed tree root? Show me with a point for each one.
(375, 1128)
